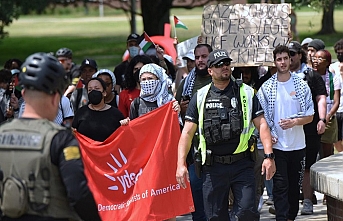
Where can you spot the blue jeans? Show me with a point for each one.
(196, 187)
(269, 187)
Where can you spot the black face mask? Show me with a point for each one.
(340, 57)
(95, 97)
(136, 76)
(202, 72)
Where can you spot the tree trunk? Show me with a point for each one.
(155, 14)
(327, 20)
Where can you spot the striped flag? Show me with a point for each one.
(179, 24)
(146, 42)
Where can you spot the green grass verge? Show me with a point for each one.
(104, 39)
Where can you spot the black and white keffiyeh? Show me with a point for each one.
(267, 97)
(159, 89)
(189, 83)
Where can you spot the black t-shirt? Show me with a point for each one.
(317, 86)
(75, 71)
(97, 125)
(113, 102)
(230, 91)
(119, 73)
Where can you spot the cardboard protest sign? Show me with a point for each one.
(184, 47)
(249, 32)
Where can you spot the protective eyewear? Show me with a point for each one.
(62, 61)
(221, 64)
(292, 53)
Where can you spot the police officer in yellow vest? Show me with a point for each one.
(225, 113)
(41, 171)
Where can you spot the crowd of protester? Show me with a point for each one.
(292, 133)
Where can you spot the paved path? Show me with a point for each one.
(318, 215)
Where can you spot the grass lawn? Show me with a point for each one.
(104, 39)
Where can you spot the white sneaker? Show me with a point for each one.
(260, 204)
(307, 207)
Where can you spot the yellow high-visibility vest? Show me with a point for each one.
(246, 96)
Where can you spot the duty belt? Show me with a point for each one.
(229, 159)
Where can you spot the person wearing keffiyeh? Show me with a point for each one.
(154, 93)
(287, 103)
(196, 79)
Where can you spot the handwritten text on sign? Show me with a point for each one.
(249, 32)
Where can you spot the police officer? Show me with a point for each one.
(41, 171)
(225, 112)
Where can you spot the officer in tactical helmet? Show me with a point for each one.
(65, 57)
(41, 171)
(225, 113)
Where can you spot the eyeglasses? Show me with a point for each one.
(221, 64)
(314, 59)
(292, 53)
(63, 60)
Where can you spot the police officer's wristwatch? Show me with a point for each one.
(323, 119)
(270, 156)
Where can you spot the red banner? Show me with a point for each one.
(132, 173)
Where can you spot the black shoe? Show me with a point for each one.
(272, 209)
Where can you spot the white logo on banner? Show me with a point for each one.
(127, 180)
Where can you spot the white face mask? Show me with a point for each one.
(148, 87)
(133, 51)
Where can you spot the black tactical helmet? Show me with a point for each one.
(43, 72)
(64, 52)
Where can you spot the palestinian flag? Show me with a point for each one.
(145, 42)
(179, 24)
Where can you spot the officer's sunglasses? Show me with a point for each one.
(221, 64)
(292, 53)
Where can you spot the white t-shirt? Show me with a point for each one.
(334, 68)
(336, 86)
(287, 104)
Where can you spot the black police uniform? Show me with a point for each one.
(220, 177)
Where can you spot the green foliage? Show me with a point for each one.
(316, 5)
(9, 10)
(12, 9)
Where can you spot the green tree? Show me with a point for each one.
(12, 9)
(328, 7)
(327, 19)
